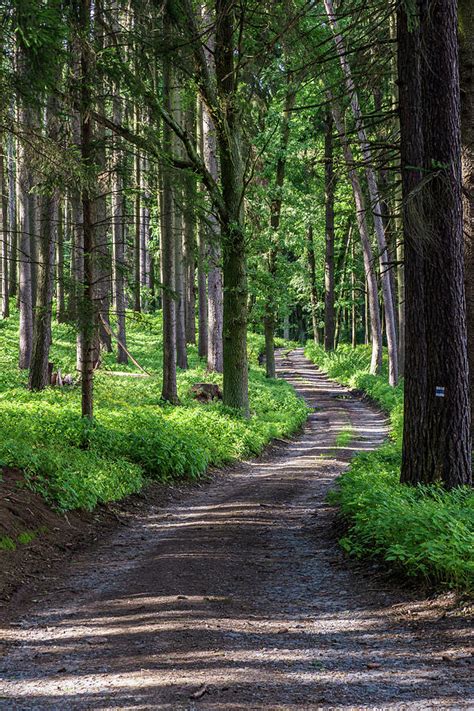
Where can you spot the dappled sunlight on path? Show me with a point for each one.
(238, 597)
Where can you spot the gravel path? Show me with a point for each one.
(238, 597)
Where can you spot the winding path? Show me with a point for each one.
(238, 597)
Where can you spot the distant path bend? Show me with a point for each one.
(238, 597)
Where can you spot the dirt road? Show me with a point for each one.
(238, 597)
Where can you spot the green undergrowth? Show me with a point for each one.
(424, 531)
(134, 436)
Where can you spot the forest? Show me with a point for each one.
(236, 287)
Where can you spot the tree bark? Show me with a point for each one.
(202, 258)
(39, 371)
(119, 241)
(466, 70)
(313, 284)
(12, 210)
(190, 236)
(437, 444)
(178, 223)
(61, 315)
(88, 310)
(168, 247)
(232, 221)
(329, 292)
(215, 299)
(25, 295)
(4, 229)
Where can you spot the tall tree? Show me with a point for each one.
(437, 444)
(168, 242)
(329, 179)
(466, 62)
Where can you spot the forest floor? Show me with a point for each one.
(235, 595)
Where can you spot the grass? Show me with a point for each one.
(424, 531)
(344, 438)
(135, 437)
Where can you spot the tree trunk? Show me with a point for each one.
(168, 247)
(466, 70)
(313, 287)
(88, 311)
(181, 354)
(232, 222)
(329, 294)
(437, 445)
(275, 214)
(190, 236)
(353, 301)
(215, 276)
(61, 315)
(202, 259)
(4, 229)
(374, 310)
(136, 242)
(39, 371)
(215, 296)
(12, 209)
(390, 323)
(119, 241)
(24, 257)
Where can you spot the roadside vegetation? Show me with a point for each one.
(135, 436)
(423, 531)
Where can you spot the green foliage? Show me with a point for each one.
(7, 543)
(27, 537)
(134, 436)
(422, 531)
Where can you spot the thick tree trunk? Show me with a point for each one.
(374, 310)
(437, 445)
(168, 248)
(466, 67)
(329, 292)
(88, 310)
(232, 222)
(386, 280)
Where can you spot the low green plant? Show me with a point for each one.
(7, 543)
(134, 436)
(26, 537)
(423, 531)
(344, 437)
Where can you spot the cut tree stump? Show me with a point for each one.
(206, 392)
